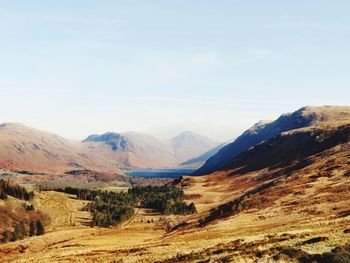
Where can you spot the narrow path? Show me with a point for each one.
(70, 214)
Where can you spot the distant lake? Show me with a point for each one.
(161, 173)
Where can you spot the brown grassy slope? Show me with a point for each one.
(321, 151)
(12, 212)
(24, 148)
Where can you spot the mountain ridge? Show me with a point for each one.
(28, 149)
(304, 117)
(131, 147)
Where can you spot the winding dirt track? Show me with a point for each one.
(64, 210)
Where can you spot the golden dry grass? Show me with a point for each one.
(313, 208)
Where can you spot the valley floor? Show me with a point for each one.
(143, 239)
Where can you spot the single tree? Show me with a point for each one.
(39, 228)
(15, 233)
(5, 236)
(192, 208)
(22, 230)
(32, 229)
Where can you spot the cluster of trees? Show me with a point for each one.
(111, 208)
(22, 230)
(110, 214)
(8, 188)
(107, 208)
(167, 199)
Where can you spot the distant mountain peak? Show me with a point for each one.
(189, 144)
(190, 135)
(186, 134)
(115, 140)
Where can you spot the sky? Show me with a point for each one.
(160, 67)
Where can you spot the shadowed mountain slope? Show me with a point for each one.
(304, 117)
(290, 148)
(302, 164)
(200, 160)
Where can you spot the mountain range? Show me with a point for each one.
(26, 149)
(280, 194)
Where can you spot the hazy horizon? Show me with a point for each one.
(155, 67)
(165, 133)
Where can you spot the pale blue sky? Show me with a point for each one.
(215, 67)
